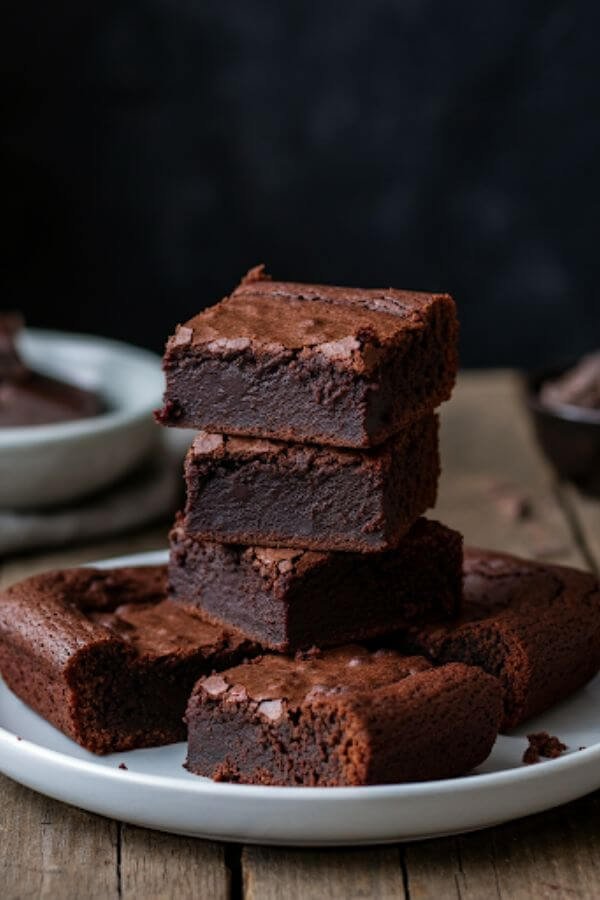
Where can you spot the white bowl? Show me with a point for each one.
(45, 465)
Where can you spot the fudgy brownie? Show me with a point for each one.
(294, 599)
(536, 627)
(105, 657)
(341, 717)
(252, 491)
(298, 362)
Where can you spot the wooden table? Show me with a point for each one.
(498, 491)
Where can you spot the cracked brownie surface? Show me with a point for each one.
(346, 716)
(312, 363)
(535, 626)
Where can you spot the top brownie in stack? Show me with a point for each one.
(327, 365)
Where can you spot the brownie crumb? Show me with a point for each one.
(123, 766)
(542, 744)
(19, 738)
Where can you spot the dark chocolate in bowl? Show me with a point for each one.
(568, 435)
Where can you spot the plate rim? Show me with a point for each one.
(462, 783)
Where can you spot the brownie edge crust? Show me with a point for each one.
(105, 658)
(535, 626)
(346, 716)
(289, 600)
(273, 494)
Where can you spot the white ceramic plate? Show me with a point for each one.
(44, 465)
(156, 792)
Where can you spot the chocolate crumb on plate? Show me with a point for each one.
(544, 745)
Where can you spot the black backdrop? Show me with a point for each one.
(154, 150)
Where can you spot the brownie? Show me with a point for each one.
(536, 627)
(345, 716)
(543, 745)
(252, 491)
(308, 363)
(290, 599)
(104, 657)
(30, 398)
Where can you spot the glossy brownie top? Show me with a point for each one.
(272, 563)
(336, 321)
(500, 588)
(272, 680)
(495, 583)
(208, 445)
(56, 614)
(163, 628)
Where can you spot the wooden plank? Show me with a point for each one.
(271, 873)
(49, 850)
(156, 866)
(495, 486)
(553, 855)
(452, 869)
(582, 858)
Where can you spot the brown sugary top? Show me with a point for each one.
(207, 444)
(273, 562)
(504, 590)
(339, 322)
(499, 584)
(57, 614)
(273, 680)
(210, 445)
(161, 629)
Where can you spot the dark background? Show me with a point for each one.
(153, 151)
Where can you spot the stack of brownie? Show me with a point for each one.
(316, 629)
(318, 455)
(316, 459)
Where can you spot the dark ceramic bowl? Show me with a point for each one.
(568, 435)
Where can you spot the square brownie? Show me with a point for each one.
(347, 716)
(308, 363)
(536, 627)
(272, 494)
(104, 657)
(289, 600)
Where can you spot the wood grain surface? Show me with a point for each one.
(497, 489)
